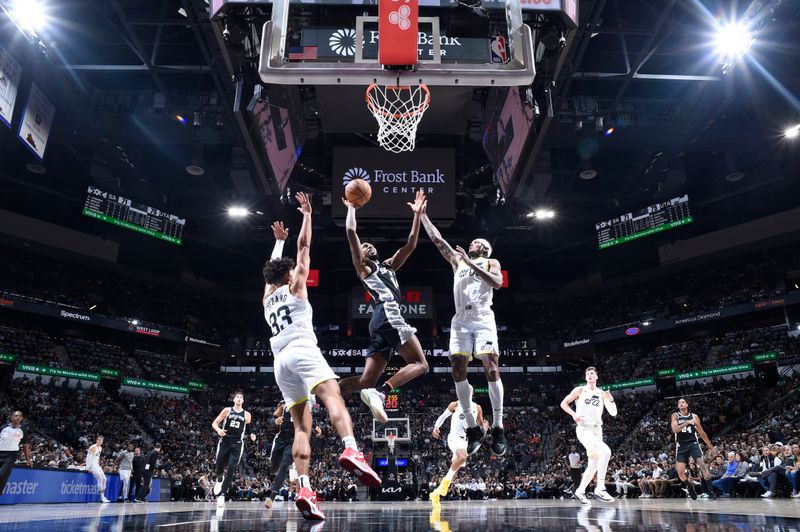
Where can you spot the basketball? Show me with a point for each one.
(358, 192)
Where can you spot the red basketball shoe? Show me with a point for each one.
(353, 461)
(306, 502)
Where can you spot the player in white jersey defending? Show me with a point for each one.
(93, 466)
(456, 441)
(473, 332)
(300, 369)
(588, 416)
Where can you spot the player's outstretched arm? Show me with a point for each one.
(281, 234)
(353, 240)
(442, 418)
(402, 254)
(441, 244)
(298, 286)
(609, 403)
(568, 400)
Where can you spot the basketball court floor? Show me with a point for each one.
(668, 514)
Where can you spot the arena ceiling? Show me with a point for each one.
(120, 71)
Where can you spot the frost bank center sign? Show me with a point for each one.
(395, 179)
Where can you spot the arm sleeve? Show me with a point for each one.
(611, 406)
(439, 422)
(277, 250)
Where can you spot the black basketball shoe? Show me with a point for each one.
(474, 436)
(499, 442)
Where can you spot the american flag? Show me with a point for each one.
(303, 52)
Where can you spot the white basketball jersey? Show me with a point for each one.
(590, 406)
(458, 421)
(469, 289)
(92, 456)
(289, 318)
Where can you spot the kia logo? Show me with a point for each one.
(632, 331)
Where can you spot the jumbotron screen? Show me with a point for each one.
(648, 221)
(120, 211)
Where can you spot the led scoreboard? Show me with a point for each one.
(392, 401)
(120, 211)
(648, 221)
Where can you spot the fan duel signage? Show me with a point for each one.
(395, 179)
(416, 302)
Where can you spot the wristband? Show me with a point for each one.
(277, 250)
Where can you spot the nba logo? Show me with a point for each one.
(498, 49)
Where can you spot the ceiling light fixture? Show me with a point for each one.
(237, 212)
(29, 16)
(792, 132)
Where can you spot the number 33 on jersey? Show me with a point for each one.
(288, 317)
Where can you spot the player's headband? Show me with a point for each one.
(485, 243)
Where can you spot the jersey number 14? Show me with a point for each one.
(282, 314)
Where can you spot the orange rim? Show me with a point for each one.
(420, 109)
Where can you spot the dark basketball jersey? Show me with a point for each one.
(234, 424)
(382, 285)
(286, 432)
(689, 433)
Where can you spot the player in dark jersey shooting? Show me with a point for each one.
(388, 329)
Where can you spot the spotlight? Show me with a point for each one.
(237, 212)
(792, 132)
(542, 214)
(609, 132)
(134, 322)
(733, 41)
(29, 16)
(645, 324)
(180, 118)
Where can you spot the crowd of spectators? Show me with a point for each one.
(699, 289)
(81, 287)
(673, 293)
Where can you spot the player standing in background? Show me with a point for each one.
(388, 329)
(473, 331)
(686, 427)
(94, 467)
(11, 438)
(456, 441)
(588, 416)
(230, 447)
(300, 369)
(124, 463)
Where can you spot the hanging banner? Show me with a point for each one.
(154, 385)
(37, 118)
(58, 372)
(4, 357)
(10, 73)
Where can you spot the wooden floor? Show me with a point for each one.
(661, 514)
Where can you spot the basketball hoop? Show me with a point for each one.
(398, 110)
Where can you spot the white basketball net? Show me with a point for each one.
(398, 111)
